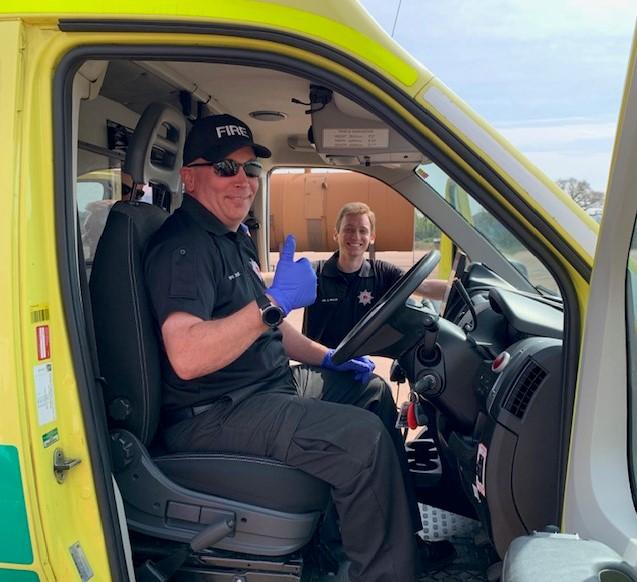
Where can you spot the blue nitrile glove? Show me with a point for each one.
(361, 366)
(294, 282)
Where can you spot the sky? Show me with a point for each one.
(548, 74)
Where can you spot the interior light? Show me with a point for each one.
(268, 115)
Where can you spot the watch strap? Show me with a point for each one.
(263, 301)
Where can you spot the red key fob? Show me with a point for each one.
(412, 422)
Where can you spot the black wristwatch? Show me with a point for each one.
(271, 314)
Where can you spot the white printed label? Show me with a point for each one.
(353, 138)
(81, 562)
(44, 393)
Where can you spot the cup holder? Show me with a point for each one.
(422, 456)
(612, 575)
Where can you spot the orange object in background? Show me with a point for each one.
(306, 205)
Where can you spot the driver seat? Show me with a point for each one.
(239, 503)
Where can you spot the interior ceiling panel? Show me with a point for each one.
(240, 90)
(234, 89)
(130, 84)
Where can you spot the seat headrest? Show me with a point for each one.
(162, 128)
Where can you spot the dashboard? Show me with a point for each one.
(491, 371)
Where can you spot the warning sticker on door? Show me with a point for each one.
(350, 138)
(42, 339)
(44, 393)
(51, 437)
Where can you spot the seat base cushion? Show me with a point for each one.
(255, 480)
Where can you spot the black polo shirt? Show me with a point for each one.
(342, 299)
(196, 265)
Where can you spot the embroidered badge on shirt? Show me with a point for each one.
(256, 269)
(365, 297)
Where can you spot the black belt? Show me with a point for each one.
(175, 416)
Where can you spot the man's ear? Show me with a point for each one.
(187, 178)
(335, 235)
(372, 238)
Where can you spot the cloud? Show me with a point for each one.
(517, 20)
(564, 148)
(522, 62)
(548, 73)
(553, 133)
(592, 167)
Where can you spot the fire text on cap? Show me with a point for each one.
(230, 130)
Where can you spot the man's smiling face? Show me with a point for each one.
(355, 235)
(228, 198)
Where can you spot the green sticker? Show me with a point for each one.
(48, 438)
(18, 576)
(15, 541)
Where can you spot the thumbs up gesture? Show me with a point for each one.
(294, 282)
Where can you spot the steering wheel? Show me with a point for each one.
(378, 315)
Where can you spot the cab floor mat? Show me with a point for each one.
(472, 561)
(469, 566)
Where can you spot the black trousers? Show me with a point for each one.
(346, 446)
(375, 396)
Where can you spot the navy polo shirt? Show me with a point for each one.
(343, 299)
(194, 264)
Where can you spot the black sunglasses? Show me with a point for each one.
(229, 168)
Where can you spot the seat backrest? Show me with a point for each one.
(127, 343)
(127, 346)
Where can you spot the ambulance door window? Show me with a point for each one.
(306, 201)
(97, 191)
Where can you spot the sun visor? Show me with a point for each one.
(343, 130)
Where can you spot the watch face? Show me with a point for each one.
(272, 316)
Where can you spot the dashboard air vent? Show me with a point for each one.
(525, 386)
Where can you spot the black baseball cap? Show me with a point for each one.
(216, 136)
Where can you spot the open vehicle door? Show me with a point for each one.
(92, 95)
(600, 500)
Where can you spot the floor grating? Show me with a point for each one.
(472, 561)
